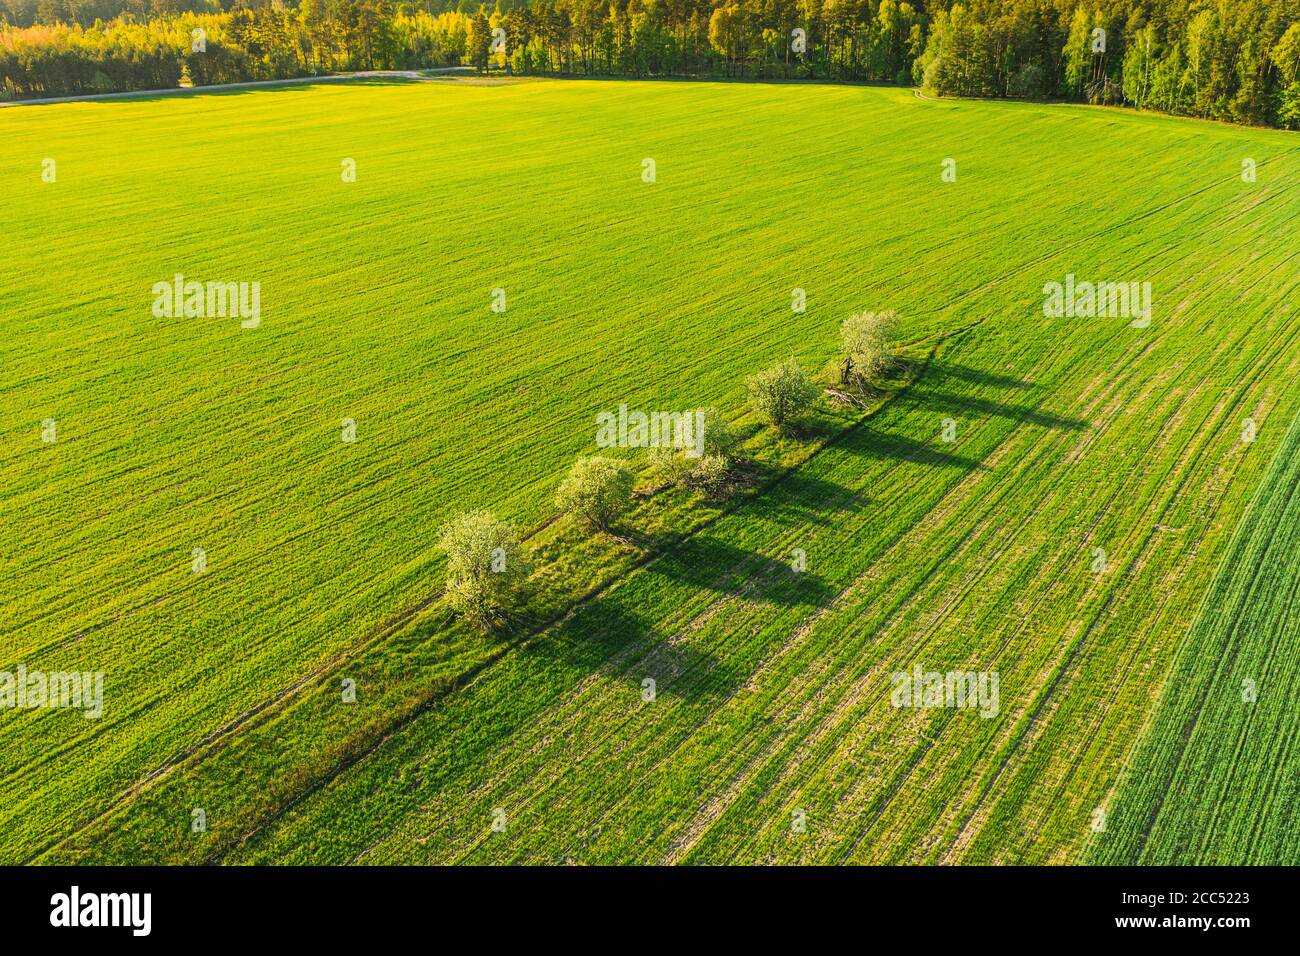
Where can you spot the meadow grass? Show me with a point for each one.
(1215, 779)
(222, 688)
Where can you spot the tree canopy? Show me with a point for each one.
(1234, 60)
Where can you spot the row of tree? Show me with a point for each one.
(202, 49)
(488, 566)
(1236, 60)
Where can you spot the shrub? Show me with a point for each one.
(720, 439)
(865, 342)
(670, 465)
(781, 394)
(596, 490)
(710, 476)
(709, 473)
(486, 566)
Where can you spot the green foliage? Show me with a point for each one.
(781, 394)
(710, 473)
(1139, 66)
(486, 565)
(597, 490)
(1289, 109)
(1223, 59)
(1207, 783)
(1286, 57)
(957, 58)
(1076, 54)
(866, 340)
(261, 43)
(479, 41)
(720, 438)
(1209, 60)
(669, 465)
(967, 554)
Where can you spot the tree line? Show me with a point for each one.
(1234, 60)
(488, 565)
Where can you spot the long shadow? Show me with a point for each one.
(296, 85)
(978, 376)
(798, 495)
(808, 499)
(712, 564)
(603, 637)
(984, 406)
(734, 80)
(289, 83)
(815, 429)
(941, 371)
(872, 443)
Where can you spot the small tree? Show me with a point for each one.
(709, 472)
(865, 338)
(711, 476)
(720, 439)
(486, 567)
(781, 394)
(597, 490)
(478, 45)
(670, 465)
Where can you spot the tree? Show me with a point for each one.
(865, 342)
(710, 476)
(1286, 57)
(597, 490)
(1139, 59)
(1076, 51)
(781, 394)
(709, 472)
(1226, 59)
(479, 43)
(486, 568)
(959, 57)
(730, 34)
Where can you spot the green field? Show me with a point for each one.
(1217, 778)
(773, 689)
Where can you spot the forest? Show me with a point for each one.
(1230, 60)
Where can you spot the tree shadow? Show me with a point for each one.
(604, 638)
(706, 562)
(814, 429)
(293, 84)
(701, 79)
(800, 496)
(984, 406)
(872, 443)
(979, 376)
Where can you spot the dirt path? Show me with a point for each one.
(255, 84)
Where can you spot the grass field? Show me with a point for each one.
(773, 689)
(1217, 778)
